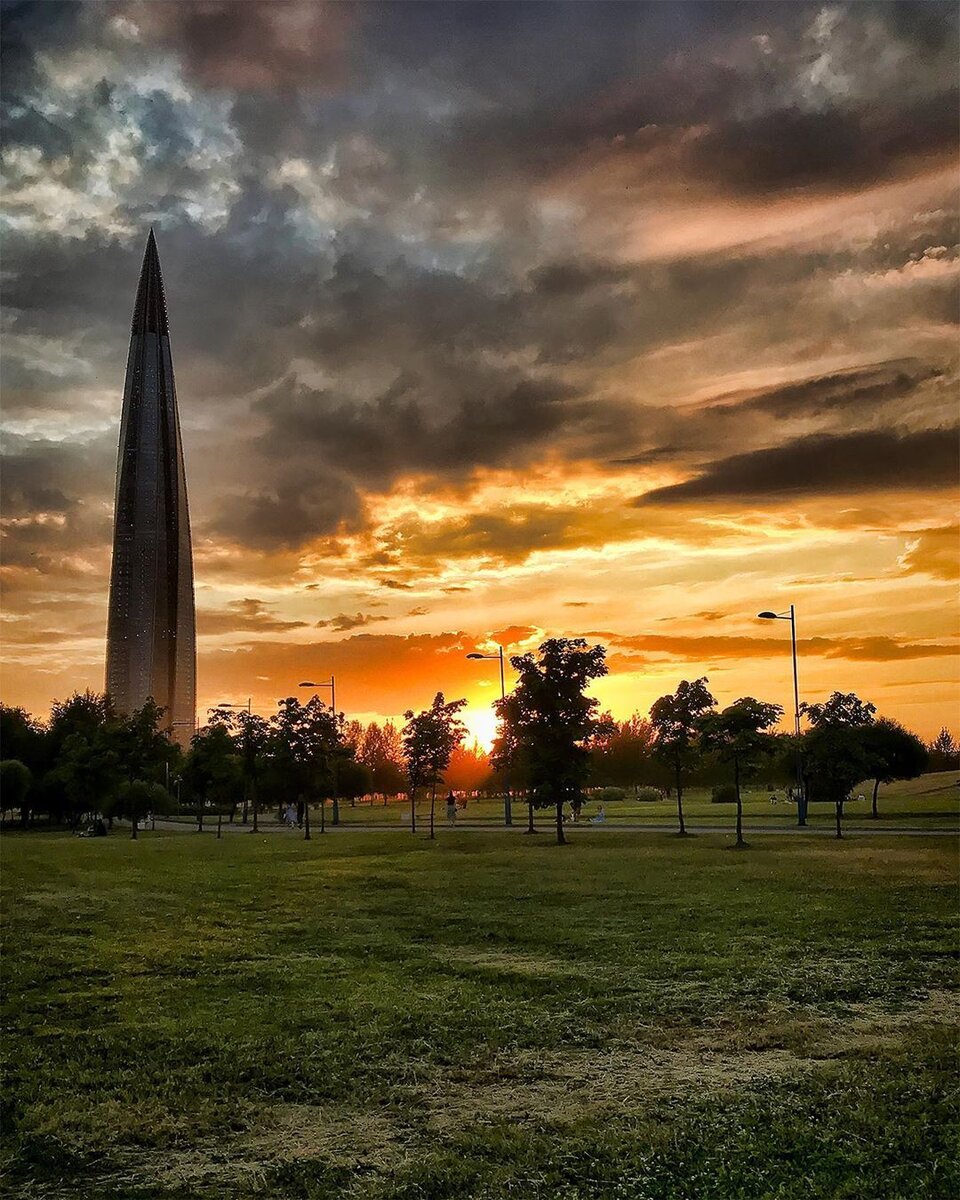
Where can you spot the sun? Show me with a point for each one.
(481, 726)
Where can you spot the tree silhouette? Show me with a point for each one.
(548, 720)
(429, 739)
(892, 753)
(738, 736)
(676, 721)
(835, 756)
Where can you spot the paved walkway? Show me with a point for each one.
(210, 826)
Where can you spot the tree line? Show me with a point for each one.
(552, 745)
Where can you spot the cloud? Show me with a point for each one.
(345, 621)
(710, 648)
(862, 389)
(825, 465)
(254, 46)
(934, 552)
(242, 616)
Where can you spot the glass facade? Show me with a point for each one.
(151, 629)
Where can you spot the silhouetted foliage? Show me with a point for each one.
(429, 740)
(892, 753)
(307, 745)
(675, 719)
(944, 753)
(16, 780)
(738, 735)
(138, 798)
(547, 721)
(835, 752)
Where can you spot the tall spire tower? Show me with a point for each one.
(151, 628)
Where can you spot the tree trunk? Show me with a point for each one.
(306, 821)
(839, 813)
(561, 840)
(336, 810)
(200, 801)
(246, 801)
(530, 827)
(133, 826)
(433, 804)
(413, 810)
(876, 787)
(736, 783)
(219, 820)
(256, 810)
(683, 829)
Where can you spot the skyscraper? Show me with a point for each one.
(151, 628)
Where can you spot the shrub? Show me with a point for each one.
(609, 795)
(649, 794)
(725, 793)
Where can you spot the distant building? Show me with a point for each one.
(151, 629)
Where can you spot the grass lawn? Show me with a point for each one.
(633, 1016)
(932, 801)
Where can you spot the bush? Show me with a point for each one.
(725, 793)
(649, 794)
(609, 795)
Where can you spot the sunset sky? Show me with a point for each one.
(493, 322)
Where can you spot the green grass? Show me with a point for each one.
(932, 801)
(373, 1016)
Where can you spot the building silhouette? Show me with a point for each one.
(151, 627)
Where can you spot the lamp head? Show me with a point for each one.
(476, 655)
(307, 684)
(768, 616)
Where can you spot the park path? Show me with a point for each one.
(582, 827)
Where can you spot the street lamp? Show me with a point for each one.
(331, 684)
(507, 810)
(791, 616)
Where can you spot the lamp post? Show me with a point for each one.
(507, 810)
(332, 685)
(791, 616)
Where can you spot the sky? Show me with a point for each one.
(495, 322)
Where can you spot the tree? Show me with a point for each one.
(620, 752)
(89, 772)
(429, 739)
(307, 745)
(251, 738)
(16, 779)
(145, 753)
(136, 798)
(23, 738)
(212, 769)
(738, 735)
(676, 721)
(944, 752)
(381, 749)
(469, 767)
(547, 721)
(835, 755)
(892, 753)
(354, 779)
(843, 708)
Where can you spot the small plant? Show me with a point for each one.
(609, 795)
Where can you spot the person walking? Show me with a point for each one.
(451, 809)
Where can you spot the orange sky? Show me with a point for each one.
(496, 326)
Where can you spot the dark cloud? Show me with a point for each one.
(825, 465)
(243, 616)
(712, 648)
(345, 622)
(861, 388)
(255, 46)
(292, 513)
